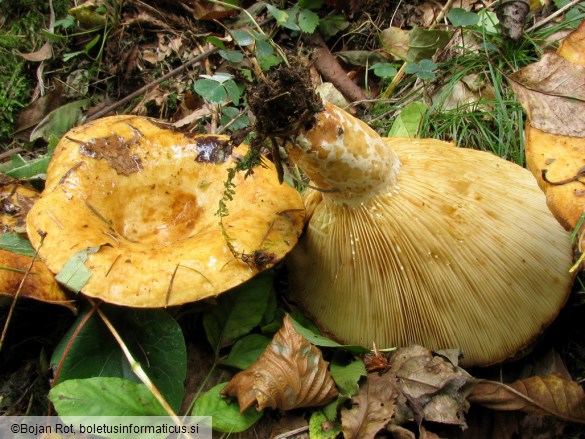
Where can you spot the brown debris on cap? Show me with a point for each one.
(160, 241)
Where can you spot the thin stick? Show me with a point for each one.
(152, 84)
(136, 367)
(553, 16)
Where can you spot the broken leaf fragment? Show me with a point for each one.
(16, 199)
(291, 373)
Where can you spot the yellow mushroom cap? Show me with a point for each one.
(456, 249)
(147, 197)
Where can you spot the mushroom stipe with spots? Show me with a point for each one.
(139, 201)
(414, 241)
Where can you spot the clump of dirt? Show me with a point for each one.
(284, 101)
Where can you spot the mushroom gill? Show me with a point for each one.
(419, 241)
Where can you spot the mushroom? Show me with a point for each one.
(139, 201)
(419, 241)
(413, 241)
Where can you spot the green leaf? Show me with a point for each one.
(423, 69)
(409, 121)
(384, 70)
(225, 416)
(424, 43)
(233, 91)
(36, 168)
(319, 340)
(237, 312)
(92, 43)
(332, 24)
(65, 23)
(153, 337)
(229, 114)
(210, 90)
(322, 428)
(243, 37)
(310, 4)
(488, 21)
(308, 21)
(215, 41)
(279, 15)
(360, 58)
(461, 17)
(347, 375)
(74, 274)
(15, 243)
(101, 396)
(232, 55)
(60, 120)
(246, 351)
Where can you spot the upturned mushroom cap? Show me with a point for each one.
(146, 198)
(418, 241)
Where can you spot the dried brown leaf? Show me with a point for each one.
(39, 283)
(435, 389)
(372, 408)
(552, 91)
(291, 373)
(549, 395)
(573, 46)
(16, 199)
(44, 53)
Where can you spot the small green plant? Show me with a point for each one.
(218, 88)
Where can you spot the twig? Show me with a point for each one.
(152, 84)
(553, 16)
(10, 152)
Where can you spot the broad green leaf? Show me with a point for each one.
(332, 24)
(347, 376)
(60, 120)
(319, 340)
(104, 396)
(36, 168)
(292, 19)
(310, 4)
(210, 90)
(74, 274)
(409, 121)
(322, 428)
(269, 61)
(384, 70)
(488, 21)
(225, 416)
(232, 55)
(243, 37)
(152, 335)
(279, 15)
(230, 113)
(233, 91)
(15, 243)
(215, 41)
(238, 311)
(424, 43)
(308, 21)
(423, 69)
(246, 351)
(461, 17)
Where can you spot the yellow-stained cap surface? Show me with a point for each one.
(147, 197)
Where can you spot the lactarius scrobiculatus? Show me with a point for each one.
(419, 241)
(139, 201)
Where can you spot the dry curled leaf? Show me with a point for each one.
(549, 395)
(435, 389)
(372, 408)
(291, 373)
(552, 93)
(39, 283)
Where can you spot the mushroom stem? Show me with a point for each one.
(344, 157)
